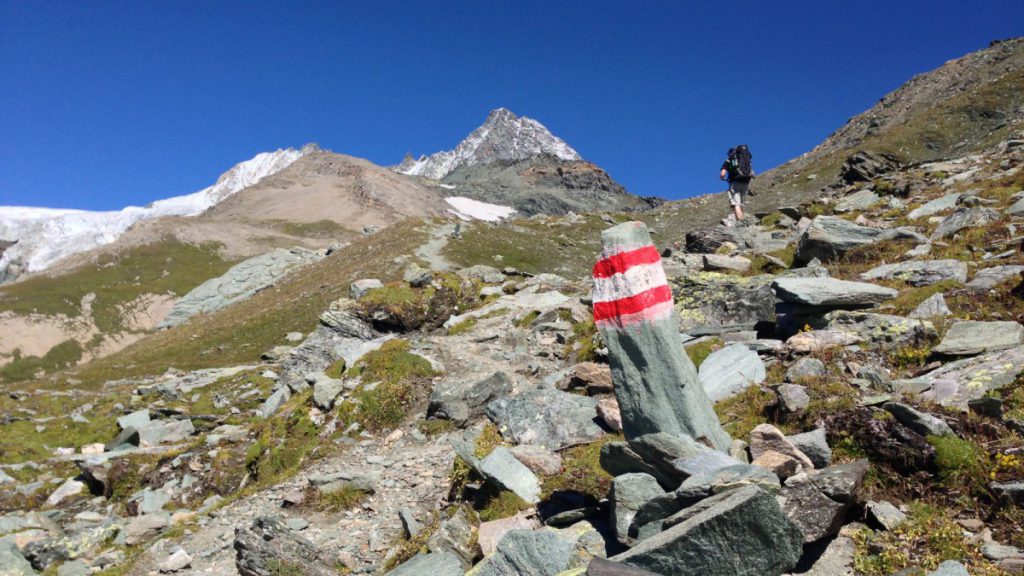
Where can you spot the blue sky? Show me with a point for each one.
(104, 104)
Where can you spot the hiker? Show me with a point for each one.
(739, 172)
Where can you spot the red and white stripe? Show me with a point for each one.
(630, 287)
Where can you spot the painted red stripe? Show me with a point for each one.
(633, 304)
(625, 260)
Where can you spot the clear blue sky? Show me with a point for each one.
(104, 104)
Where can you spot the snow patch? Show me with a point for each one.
(469, 209)
(46, 235)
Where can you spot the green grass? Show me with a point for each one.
(61, 356)
(961, 463)
(744, 411)
(229, 387)
(336, 369)
(700, 351)
(331, 502)
(502, 505)
(581, 472)
(284, 442)
(319, 229)
(167, 266)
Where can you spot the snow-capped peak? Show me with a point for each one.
(503, 136)
(46, 235)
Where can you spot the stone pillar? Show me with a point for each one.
(655, 381)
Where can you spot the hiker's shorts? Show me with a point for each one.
(738, 193)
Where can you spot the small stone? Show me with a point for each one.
(766, 437)
(920, 422)
(538, 459)
(793, 397)
(885, 514)
(410, 525)
(296, 523)
(608, 411)
(950, 568)
(782, 465)
(176, 561)
(806, 368)
(359, 288)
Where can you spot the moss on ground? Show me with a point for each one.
(466, 325)
(581, 472)
(336, 370)
(700, 351)
(744, 411)
(283, 442)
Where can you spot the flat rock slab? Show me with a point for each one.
(920, 272)
(971, 338)
(722, 262)
(941, 204)
(713, 302)
(543, 552)
(955, 383)
(502, 468)
(729, 371)
(549, 418)
(829, 237)
(964, 218)
(881, 330)
(860, 200)
(434, 564)
(988, 278)
(831, 293)
(738, 533)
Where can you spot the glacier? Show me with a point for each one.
(46, 235)
(503, 136)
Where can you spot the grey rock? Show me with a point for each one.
(179, 560)
(964, 218)
(1010, 491)
(830, 293)
(617, 458)
(661, 450)
(12, 563)
(729, 478)
(152, 501)
(767, 438)
(417, 276)
(885, 514)
(541, 552)
(947, 202)
(136, 419)
(359, 288)
(877, 376)
(729, 371)
(454, 400)
(860, 200)
(818, 503)
(458, 536)
(806, 367)
(656, 384)
(969, 338)
(932, 307)
(72, 568)
(793, 397)
(722, 262)
(709, 240)
(815, 445)
(1015, 209)
(988, 278)
(71, 544)
(881, 330)
(712, 302)
(296, 524)
(273, 403)
(482, 272)
(628, 493)
(995, 551)
(761, 539)
(268, 548)
(410, 525)
(836, 560)
(604, 567)
(164, 431)
(920, 422)
(142, 528)
(434, 564)
(920, 272)
(950, 568)
(503, 469)
(829, 237)
(540, 460)
(325, 390)
(549, 418)
(240, 282)
(954, 383)
(703, 462)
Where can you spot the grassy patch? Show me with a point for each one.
(336, 369)
(219, 397)
(284, 442)
(63, 355)
(392, 383)
(744, 411)
(584, 342)
(502, 505)
(527, 319)
(462, 327)
(166, 266)
(398, 306)
(334, 501)
(929, 537)
(581, 472)
(700, 351)
(961, 463)
(320, 229)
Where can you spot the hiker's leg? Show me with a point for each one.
(740, 196)
(735, 200)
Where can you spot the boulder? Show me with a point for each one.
(709, 240)
(920, 272)
(618, 458)
(136, 419)
(722, 262)
(142, 528)
(609, 413)
(818, 502)
(273, 402)
(885, 514)
(161, 431)
(455, 401)
(941, 204)
(882, 330)
(503, 470)
(970, 338)
(932, 307)
(815, 445)
(729, 371)
(830, 293)
(661, 450)
(793, 397)
(240, 282)
(656, 384)
(829, 237)
(950, 568)
(269, 548)
(593, 377)
(457, 535)
(923, 423)
(12, 563)
(542, 553)
(988, 278)
(765, 438)
(433, 564)
(538, 459)
(962, 218)
(325, 390)
(782, 465)
(805, 368)
(761, 540)
(860, 200)
(713, 303)
(549, 418)
(955, 383)
(628, 493)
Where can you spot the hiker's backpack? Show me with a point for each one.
(744, 171)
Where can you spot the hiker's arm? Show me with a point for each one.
(721, 175)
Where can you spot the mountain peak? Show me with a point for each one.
(503, 136)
